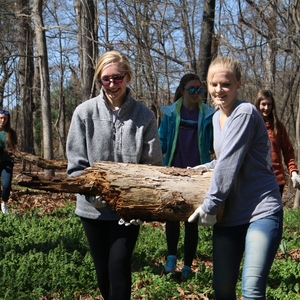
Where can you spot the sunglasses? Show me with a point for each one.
(193, 90)
(2, 111)
(116, 79)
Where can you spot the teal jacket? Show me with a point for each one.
(5, 157)
(168, 131)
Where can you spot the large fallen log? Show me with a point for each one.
(147, 192)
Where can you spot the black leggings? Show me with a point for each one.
(190, 239)
(111, 247)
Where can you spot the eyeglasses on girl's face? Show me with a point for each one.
(116, 80)
(193, 90)
(5, 112)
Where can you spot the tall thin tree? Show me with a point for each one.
(87, 37)
(25, 74)
(41, 49)
(207, 51)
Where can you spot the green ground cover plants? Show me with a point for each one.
(46, 256)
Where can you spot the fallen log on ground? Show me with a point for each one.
(150, 193)
(37, 160)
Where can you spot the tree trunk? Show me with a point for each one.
(45, 80)
(6, 73)
(25, 75)
(87, 37)
(149, 193)
(207, 51)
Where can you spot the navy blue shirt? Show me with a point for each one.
(187, 152)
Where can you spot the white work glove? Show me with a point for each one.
(204, 219)
(202, 168)
(295, 178)
(133, 222)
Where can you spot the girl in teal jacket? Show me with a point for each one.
(186, 138)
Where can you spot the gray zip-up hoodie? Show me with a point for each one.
(95, 135)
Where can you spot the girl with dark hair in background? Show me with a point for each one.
(186, 137)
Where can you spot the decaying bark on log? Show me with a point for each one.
(150, 193)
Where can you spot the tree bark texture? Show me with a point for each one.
(207, 36)
(86, 20)
(150, 193)
(41, 48)
(25, 75)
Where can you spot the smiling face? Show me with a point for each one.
(223, 87)
(3, 121)
(114, 92)
(265, 107)
(191, 101)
